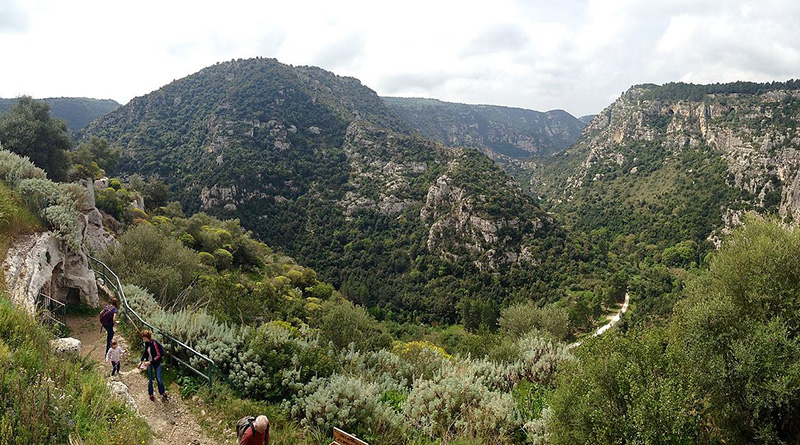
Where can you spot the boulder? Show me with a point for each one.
(66, 344)
(120, 390)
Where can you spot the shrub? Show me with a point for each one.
(426, 358)
(524, 318)
(279, 360)
(343, 323)
(141, 301)
(14, 168)
(539, 360)
(348, 403)
(157, 262)
(449, 406)
(223, 259)
(381, 367)
(64, 221)
(39, 193)
(220, 342)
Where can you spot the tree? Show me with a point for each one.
(94, 159)
(29, 130)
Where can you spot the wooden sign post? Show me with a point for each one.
(342, 438)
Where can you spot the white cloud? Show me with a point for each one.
(544, 54)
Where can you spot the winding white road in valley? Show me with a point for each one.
(614, 320)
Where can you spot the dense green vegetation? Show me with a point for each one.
(29, 130)
(689, 91)
(290, 342)
(724, 370)
(78, 112)
(512, 132)
(411, 325)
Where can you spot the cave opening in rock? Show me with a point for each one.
(73, 296)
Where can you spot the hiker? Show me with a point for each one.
(114, 355)
(108, 318)
(151, 360)
(253, 431)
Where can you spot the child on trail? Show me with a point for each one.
(151, 359)
(114, 355)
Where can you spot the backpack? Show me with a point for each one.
(243, 424)
(159, 349)
(107, 315)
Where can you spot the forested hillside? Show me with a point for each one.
(502, 133)
(317, 165)
(78, 112)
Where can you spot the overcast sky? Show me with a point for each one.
(538, 54)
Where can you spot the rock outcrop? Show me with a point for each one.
(66, 344)
(755, 134)
(41, 263)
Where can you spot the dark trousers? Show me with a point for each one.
(114, 367)
(155, 368)
(110, 331)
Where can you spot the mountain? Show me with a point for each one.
(318, 166)
(587, 119)
(499, 132)
(680, 162)
(77, 111)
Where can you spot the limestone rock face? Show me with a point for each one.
(37, 263)
(454, 216)
(95, 236)
(218, 196)
(757, 135)
(66, 344)
(379, 181)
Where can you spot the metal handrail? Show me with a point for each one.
(112, 279)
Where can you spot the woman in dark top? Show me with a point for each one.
(151, 358)
(110, 320)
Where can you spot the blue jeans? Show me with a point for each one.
(155, 368)
(110, 331)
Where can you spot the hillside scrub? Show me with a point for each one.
(56, 204)
(726, 368)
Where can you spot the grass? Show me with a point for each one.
(55, 398)
(15, 219)
(217, 409)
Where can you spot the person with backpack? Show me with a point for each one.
(151, 360)
(108, 318)
(253, 430)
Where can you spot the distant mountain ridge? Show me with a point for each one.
(680, 161)
(318, 166)
(500, 132)
(78, 112)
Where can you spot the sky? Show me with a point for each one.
(578, 56)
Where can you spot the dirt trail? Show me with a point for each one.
(172, 421)
(612, 321)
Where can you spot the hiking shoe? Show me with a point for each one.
(152, 398)
(165, 396)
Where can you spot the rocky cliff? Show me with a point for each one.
(743, 139)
